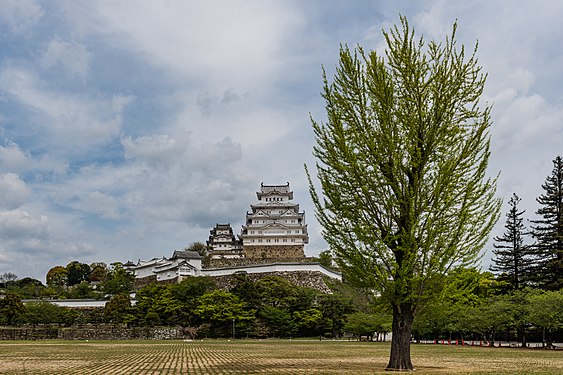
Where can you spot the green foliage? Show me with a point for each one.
(118, 310)
(99, 272)
(77, 272)
(175, 303)
(118, 280)
(279, 321)
(57, 277)
(548, 231)
(308, 322)
(25, 288)
(546, 309)
(198, 247)
(512, 258)
(326, 259)
(335, 308)
(360, 323)
(47, 313)
(11, 308)
(220, 306)
(402, 163)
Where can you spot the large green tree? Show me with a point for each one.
(512, 261)
(548, 231)
(402, 162)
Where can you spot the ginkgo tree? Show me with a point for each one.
(402, 165)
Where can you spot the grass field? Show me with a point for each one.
(262, 357)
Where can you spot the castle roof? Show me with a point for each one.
(185, 254)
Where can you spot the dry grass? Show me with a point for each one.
(262, 357)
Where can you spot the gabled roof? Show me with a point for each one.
(185, 254)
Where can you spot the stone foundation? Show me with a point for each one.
(308, 279)
(273, 251)
(99, 332)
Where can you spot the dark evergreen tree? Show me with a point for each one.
(548, 231)
(512, 262)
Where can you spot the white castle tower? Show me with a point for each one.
(275, 228)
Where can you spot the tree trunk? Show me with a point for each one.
(400, 358)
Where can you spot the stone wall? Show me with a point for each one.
(273, 251)
(120, 333)
(91, 332)
(28, 333)
(241, 262)
(308, 279)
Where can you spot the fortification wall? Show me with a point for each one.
(309, 279)
(98, 332)
(273, 251)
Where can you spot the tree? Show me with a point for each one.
(545, 310)
(221, 308)
(198, 247)
(99, 272)
(119, 280)
(7, 278)
(77, 272)
(362, 324)
(11, 307)
(402, 165)
(44, 313)
(548, 232)
(335, 308)
(57, 277)
(325, 259)
(118, 309)
(512, 262)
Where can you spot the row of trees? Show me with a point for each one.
(76, 280)
(472, 306)
(270, 306)
(520, 262)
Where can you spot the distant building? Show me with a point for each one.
(222, 243)
(275, 228)
(182, 264)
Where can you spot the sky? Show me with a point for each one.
(128, 129)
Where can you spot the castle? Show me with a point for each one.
(271, 241)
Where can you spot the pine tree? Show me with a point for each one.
(548, 232)
(512, 261)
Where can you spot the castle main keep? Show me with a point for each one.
(274, 229)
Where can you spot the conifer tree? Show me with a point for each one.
(512, 263)
(548, 232)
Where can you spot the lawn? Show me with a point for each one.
(261, 357)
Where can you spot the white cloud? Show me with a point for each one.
(20, 224)
(12, 158)
(72, 57)
(20, 15)
(70, 121)
(13, 191)
(216, 42)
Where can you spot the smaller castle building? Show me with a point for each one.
(222, 243)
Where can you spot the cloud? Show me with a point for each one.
(13, 191)
(71, 57)
(20, 15)
(12, 158)
(19, 224)
(70, 121)
(197, 39)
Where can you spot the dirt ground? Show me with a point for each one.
(262, 357)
